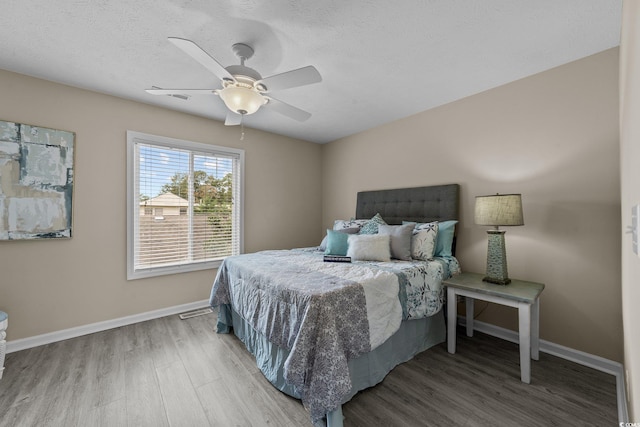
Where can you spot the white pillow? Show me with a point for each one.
(369, 247)
(423, 241)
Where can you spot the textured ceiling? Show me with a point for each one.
(380, 60)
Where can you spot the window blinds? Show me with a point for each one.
(189, 204)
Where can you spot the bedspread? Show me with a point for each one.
(325, 313)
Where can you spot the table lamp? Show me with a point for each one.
(497, 210)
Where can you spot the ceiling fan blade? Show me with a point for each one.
(232, 119)
(181, 91)
(287, 110)
(197, 53)
(294, 78)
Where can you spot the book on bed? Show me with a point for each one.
(337, 258)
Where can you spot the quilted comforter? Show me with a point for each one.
(326, 313)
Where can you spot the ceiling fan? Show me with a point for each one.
(244, 90)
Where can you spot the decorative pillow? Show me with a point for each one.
(323, 244)
(423, 241)
(337, 241)
(400, 239)
(446, 230)
(371, 226)
(444, 239)
(340, 224)
(369, 247)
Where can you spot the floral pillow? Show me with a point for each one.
(371, 226)
(341, 224)
(424, 240)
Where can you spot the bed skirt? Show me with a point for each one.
(367, 370)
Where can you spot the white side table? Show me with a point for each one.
(519, 294)
(4, 322)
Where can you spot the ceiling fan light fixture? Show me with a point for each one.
(243, 88)
(241, 100)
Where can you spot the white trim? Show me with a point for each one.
(580, 357)
(25, 343)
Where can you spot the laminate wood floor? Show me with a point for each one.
(172, 372)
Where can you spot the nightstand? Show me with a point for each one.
(519, 294)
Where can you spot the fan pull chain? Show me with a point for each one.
(242, 128)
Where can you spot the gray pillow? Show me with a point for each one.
(400, 236)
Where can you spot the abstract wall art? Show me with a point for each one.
(36, 182)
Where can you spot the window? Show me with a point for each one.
(195, 191)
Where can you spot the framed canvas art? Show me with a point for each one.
(36, 182)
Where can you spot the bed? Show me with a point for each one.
(322, 331)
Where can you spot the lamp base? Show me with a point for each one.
(496, 281)
(496, 259)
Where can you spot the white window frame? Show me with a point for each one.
(133, 203)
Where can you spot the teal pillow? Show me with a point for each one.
(337, 243)
(444, 240)
(371, 226)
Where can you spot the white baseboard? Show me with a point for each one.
(580, 357)
(25, 343)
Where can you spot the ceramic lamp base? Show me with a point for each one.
(496, 259)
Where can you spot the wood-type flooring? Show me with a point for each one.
(172, 372)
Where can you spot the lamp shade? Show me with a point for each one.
(242, 100)
(499, 209)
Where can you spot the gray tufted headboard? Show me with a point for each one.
(419, 204)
